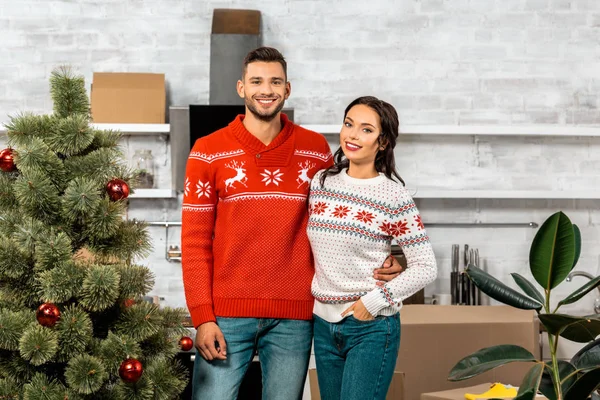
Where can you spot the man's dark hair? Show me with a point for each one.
(264, 54)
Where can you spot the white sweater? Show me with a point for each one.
(351, 226)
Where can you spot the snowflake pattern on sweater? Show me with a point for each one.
(351, 226)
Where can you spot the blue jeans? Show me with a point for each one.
(356, 359)
(283, 347)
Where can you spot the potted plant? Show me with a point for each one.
(554, 253)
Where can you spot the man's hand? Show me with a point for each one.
(360, 312)
(207, 335)
(390, 269)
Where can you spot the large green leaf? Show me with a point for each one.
(584, 386)
(526, 395)
(564, 369)
(528, 287)
(587, 357)
(577, 329)
(582, 291)
(531, 382)
(552, 251)
(499, 291)
(487, 359)
(577, 233)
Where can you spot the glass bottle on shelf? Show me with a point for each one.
(144, 163)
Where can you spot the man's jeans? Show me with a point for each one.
(283, 347)
(356, 359)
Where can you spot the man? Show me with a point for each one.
(247, 264)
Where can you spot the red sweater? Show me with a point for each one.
(245, 252)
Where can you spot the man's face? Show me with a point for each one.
(264, 89)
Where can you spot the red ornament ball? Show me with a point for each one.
(186, 343)
(7, 162)
(47, 315)
(117, 189)
(131, 370)
(128, 303)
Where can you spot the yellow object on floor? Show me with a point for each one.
(497, 391)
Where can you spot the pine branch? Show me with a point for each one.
(7, 198)
(14, 262)
(15, 367)
(116, 348)
(36, 157)
(85, 374)
(136, 280)
(160, 345)
(105, 219)
(81, 198)
(100, 165)
(38, 344)
(12, 326)
(21, 129)
(168, 379)
(74, 332)
(37, 197)
(61, 283)
(172, 318)
(132, 240)
(10, 389)
(105, 139)
(141, 390)
(100, 287)
(140, 321)
(71, 135)
(54, 250)
(68, 93)
(42, 388)
(22, 292)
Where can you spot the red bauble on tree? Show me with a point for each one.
(131, 370)
(47, 315)
(7, 162)
(128, 303)
(186, 343)
(117, 189)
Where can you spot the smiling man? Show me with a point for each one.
(247, 264)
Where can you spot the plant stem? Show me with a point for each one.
(553, 346)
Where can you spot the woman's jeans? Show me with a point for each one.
(356, 359)
(283, 347)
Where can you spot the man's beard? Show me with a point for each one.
(263, 117)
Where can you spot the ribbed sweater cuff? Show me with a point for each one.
(374, 302)
(202, 314)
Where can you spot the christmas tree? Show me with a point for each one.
(73, 322)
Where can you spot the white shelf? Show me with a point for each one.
(483, 130)
(504, 194)
(153, 194)
(126, 129)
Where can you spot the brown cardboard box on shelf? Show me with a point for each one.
(434, 338)
(395, 392)
(459, 394)
(127, 97)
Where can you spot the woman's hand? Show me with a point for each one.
(360, 312)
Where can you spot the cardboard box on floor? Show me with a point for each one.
(396, 391)
(459, 394)
(135, 98)
(434, 338)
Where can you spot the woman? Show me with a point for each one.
(357, 207)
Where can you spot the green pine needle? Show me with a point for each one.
(81, 198)
(38, 344)
(116, 348)
(101, 165)
(10, 389)
(172, 318)
(54, 250)
(132, 240)
(14, 262)
(42, 388)
(75, 332)
(14, 366)
(161, 345)
(100, 288)
(108, 139)
(7, 196)
(61, 283)
(12, 326)
(136, 280)
(68, 93)
(141, 390)
(22, 128)
(168, 379)
(85, 374)
(36, 157)
(104, 220)
(37, 196)
(71, 136)
(140, 321)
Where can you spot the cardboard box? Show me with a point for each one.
(395, 392)
(459, 394)
(136, 98)
(434, 338)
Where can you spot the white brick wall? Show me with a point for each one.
(438, 61)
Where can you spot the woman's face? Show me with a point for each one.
(359, 135)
